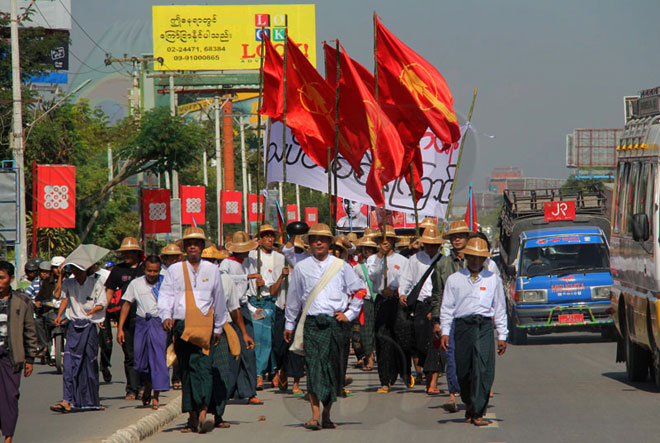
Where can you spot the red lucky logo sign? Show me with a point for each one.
(311, 216)
(193, 205)
(156, 211)
(56, 196)
(231, 206)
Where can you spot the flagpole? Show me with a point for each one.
(260, 142)
(383, 221)
(414, 196)
(333, 169)
(284, 147)
(458, 163)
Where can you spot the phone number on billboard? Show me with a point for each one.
(196, 49)
(196, 57)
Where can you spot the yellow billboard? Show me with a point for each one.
(218, 37)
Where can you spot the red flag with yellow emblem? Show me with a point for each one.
(410, 132)
(410, 82)
(368, 124)
(311, 109)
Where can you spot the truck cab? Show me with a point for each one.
(555, 266)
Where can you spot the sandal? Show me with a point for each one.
(383, 390)
(297, 392)
(347, 393)
(283, 386)
(176, 385)
(130, 397)
(255, 401)
(451, 406)
(312, 425)
(220, 423)
(260, 384)
(60, 407)
(479, 421)
(328, 424)
(432, 391)
(186, 429)
(146, 398)
(411, 383)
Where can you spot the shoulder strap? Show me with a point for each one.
(370, 284)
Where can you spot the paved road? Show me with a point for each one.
(559, 388)
(36, 423)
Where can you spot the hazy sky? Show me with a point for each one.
(542, 68)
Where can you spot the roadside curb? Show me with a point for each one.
(148, 425)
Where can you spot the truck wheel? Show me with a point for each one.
(608, 333)
(637, 361)
(517, 336)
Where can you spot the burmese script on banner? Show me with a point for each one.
(439, 170)
(215, 37)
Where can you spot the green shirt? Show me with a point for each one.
(445, 267)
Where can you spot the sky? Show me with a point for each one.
(542, 68)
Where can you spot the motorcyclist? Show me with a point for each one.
(31, 274)
(46, 306)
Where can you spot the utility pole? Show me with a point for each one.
(218, 169)
(246, 212)
(17, 141)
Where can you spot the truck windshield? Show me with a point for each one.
(564, 259)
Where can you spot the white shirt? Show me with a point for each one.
(271, 268)
(413, 272)
(82, 298)
(333, 298)
(395, 265)
(141, 292)
(238, 273)
(207, 290)
(292, 256)
(231, 294)
(463, 297)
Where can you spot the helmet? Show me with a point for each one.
(109, 264)
(57, 261)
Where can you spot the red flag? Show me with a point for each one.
(471, 212)
(56, 196)
(311, 216)
(384, 141)
(253, 209)
(410, 82)
(311, 111)
(410, 132)
(193, 205)
(292, 213)
(273, 74)
(231, 206)
(156, 211)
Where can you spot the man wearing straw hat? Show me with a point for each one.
(270, 264)
(116, 285)
(458, 235)
(473, 300)
(428, 356)
(169, 255)
(236, 267)
(191, 303)
(392, 347)
(321, 286)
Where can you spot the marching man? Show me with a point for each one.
(472, 299)
(321, 286)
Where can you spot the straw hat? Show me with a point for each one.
(193, 233)
(366, 242)
(214, 253)
(389, 232)
(403, 243)
(319, 229)
(432, 236)
(457, 227)
(240, 242)
(171, 249)
(298, 243)
(371, 233)
(428, 222)
(352, 237)
(266, 228)
(478, 247)
(129, 244)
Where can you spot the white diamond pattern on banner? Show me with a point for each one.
(193, 205)
(157, 211)
(56, 197)
(312, 218)
(231, 207)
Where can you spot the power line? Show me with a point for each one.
(81, 28)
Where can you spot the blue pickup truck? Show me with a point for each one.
(556, 270)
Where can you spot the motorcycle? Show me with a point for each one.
(57, 338)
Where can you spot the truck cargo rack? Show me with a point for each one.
(525, 204)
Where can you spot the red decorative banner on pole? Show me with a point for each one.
(56, 196)
(156, 211)
(311, 216)
(253, 209)
(231, 206)
(292, 213)
(193, 205)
